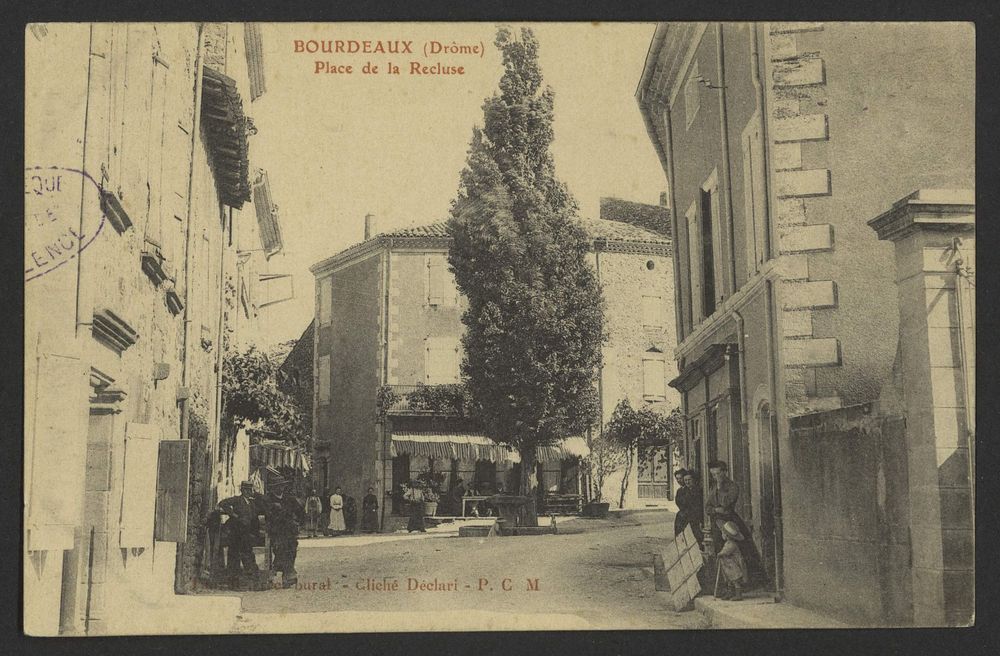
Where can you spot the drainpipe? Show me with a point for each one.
(83, 183)
(741, 348)
(217, 423)
(598, 244)
(195, 130)
(766, 148)
(779, 411)
(724, 114)
(385, 364)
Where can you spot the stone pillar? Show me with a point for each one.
(934, 236)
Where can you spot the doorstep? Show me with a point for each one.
(760, 611)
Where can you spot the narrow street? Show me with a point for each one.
(596, 574)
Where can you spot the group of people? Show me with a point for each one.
(739, 563)
(284, 516)
(337, 513)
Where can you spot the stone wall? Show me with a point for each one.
(846, 519)
(137, 282)
(625, 278)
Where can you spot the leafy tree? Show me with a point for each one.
(534, 323)
(606, 457)
(250, 395)
(632, 429)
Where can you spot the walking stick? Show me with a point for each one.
(718, 571)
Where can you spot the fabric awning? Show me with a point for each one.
(278, 454)
(476, 446)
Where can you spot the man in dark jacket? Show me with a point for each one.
(284, 517)
(243, 526)
(720, 504)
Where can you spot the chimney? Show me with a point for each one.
(664, 199)
(369, 226)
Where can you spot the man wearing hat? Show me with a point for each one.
(284, 516)
(244, 525)
(721, 507)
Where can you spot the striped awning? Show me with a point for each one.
(476, 446)
(278, 454)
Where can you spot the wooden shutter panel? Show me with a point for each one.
(139, 488)
(435, 283)
(694, 264)
(173, 465)
(58, 452)
(323, 384)
(652, 378)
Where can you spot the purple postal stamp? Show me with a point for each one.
(62, 217)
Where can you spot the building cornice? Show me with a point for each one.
(709, 361)
(670, 55)
(929, 209)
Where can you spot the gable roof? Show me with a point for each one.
(607, 236)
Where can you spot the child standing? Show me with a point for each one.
(731, 562)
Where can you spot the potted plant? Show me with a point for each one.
(431, 484)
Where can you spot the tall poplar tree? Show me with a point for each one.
(534, 324)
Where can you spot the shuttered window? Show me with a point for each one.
(653, 377)
(694, 264)
(442, 361)
(325, 301)
(58, 452)
(440, 283)
(323, 384)
(139, 485)
(174, 463)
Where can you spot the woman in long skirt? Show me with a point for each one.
(369, 512)
(337, 512)
(415, 498)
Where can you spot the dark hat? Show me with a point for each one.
(681, 472)
(718, 464)
(245, 485)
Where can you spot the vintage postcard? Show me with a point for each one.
(380, 327)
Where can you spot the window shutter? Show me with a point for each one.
(154, 155)
(324, 379)
(694, 263)
(136, 121)
(325, 301)
(749, 207)
(58, 452)
(652, 378)
(139, 487)
(435, 282)
(759, 199)
(441, 364)
(174, 463)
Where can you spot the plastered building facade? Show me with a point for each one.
(780, 142)
(389, 316)
(138, 144)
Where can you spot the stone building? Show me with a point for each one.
(388, 330)
(780, 141)
(139, 197)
